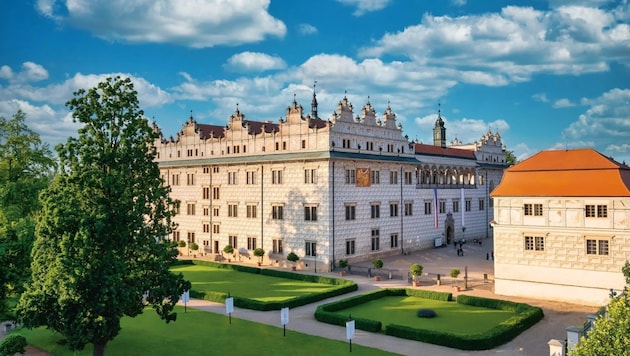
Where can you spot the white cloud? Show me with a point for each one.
(542, 97)
(307, 29)
(365, 6)
(31, 72)
(605, 124)
(191, 23)
(458, 2)
(563, 103)
(254, 62)
(513, 45)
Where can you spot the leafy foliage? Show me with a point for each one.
(25, 167)
(510, 158)
(416, 269)
(610, 336)
(426, 313)
(455, 272)
(100, 252)
(377, 263)
(292, 257)
(228, 249)
(13, 344)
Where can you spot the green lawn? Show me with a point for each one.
(451, 316)
(247, 285)
(202, 333)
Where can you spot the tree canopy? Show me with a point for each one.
(26, 165)
(611, 333)
(100, 252)
(510, 158)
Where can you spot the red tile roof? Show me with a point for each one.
(432, 150)
(566, 173)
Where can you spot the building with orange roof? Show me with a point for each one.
(562, 227)
(346, 187)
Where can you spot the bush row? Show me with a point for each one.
(343, 286)
(499, 335)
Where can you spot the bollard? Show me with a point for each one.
(485, 278)
(438, 281)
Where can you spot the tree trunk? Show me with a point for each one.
(99, 348)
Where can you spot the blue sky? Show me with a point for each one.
(544, 74)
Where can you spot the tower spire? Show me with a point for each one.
(439, 131)
(314, 102)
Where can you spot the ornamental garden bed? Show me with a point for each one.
(259, 288)
(469, 323)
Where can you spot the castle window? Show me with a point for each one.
(534, 243)
(596, 211)
(597, 247)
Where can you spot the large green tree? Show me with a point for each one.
(100, 252)
(26, 166)
(611, 334)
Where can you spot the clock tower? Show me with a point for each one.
(439, 132)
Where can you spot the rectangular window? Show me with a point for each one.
(175, 179)
(427, 207)
(597, 247)
(408, 178)
(456, 206)
(532, 209)
(310, 213)
(215, 211)
(310, 176)
(251, 243)
(393, 209)
(215, 193)
(191, 237)
(482, 204)
(350, 247)
(468, 204)
(277, 246)
(190, 179)
(276, 176)
(303, 144)
(206, 170)
(350, 177)
(251, 177)
(233, 210)
(190, 209)
(408, 209)
(233, 240)
(393, 240)
(310, 248)
(206, 211)
(175, 235)
(442, 206)
(351, 212)
(393, 177)
(215, 169)
(251, 211)
(206, 227)
(375, 177)
(376, 240)
(597, 211)
(534, 243)
(232, 178)
(216, 229)
(277, 212)
(376, 211)
(205, 192)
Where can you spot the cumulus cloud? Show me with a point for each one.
(31, 72)
(254, 62)
(542, 97)
(365, 6)
(563, 103)
(511, 46)
(191, 23)
(606, 123)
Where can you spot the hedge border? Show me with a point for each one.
(499, 335)
(343, 286)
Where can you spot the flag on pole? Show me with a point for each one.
(436, 207)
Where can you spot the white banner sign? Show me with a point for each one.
(350, 329)
(229, 305)
(186, 297)
(284, 316)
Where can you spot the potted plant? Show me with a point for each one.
(377, 264)
(194, 247)
(228, 249)
(181, 244)
(259, 252)
(454, 273)
(343, 264)
(293, 258)
(415, 270)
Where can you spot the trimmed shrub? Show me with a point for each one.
(181, 243)
(426, 313)
(13, 344)
(428, 294)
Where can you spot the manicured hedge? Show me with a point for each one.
(343, 286)
(499, 335)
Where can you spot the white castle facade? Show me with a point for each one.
(347, 187)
